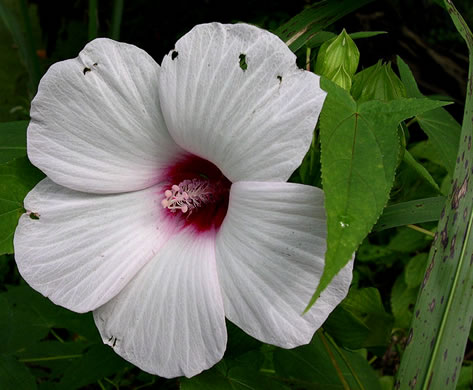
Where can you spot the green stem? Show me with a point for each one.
(307, 61)
(421, 230)
(57, 336)
(334, 362)
(116, 19)
(49, 358)
(347, 363)
(412, 121)
(146, 384)
(93, 19)
(34, 68)
(267, 371)
(112, 383)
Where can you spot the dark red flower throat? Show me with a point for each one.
(196, 193)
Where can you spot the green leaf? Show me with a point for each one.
(387, 382)
(26, 318)
(403, 300)
(12, 140)
(366, 34)
(304, 26)
(441, 128)
(52, 356)
(43, 313)
(414, 271)
(322, 365)
(465, 381)
(319, 38)
(342, 319)
(419, 169)
(425, 151)
(363, 313)
(242, 374)
(309, 170)
(371, 252)
(407, 241)
(14, 375)
(411, 212)
(17, 178)
(360, 149)
(100, 361)
(19, 328)
(444, 308)
(239, 342)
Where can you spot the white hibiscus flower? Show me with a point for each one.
(166, 207)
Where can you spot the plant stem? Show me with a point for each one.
(93, 19)
(334, 362)
(57, 336)
(116, 19)
(421, 230)
(45, 359)
(31, 59)
(307, 61)
(347, 363)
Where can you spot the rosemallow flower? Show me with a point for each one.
(166, 208)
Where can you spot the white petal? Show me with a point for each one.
(169, 320)
(96, 124)
(85, 248)
(254, 124)
(270, 257)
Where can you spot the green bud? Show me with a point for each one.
(378, 82)
(342, 78)
(338, 60)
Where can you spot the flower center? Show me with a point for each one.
(189, 195)
(196, 194)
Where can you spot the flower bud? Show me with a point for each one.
(338, 60)
(378, 82)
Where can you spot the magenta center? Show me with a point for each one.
(196, 194)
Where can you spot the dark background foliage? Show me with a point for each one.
(418, 31)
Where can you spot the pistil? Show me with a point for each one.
(188, 195)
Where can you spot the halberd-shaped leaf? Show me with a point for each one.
(360, 150)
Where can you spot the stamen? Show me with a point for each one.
(188, 195)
